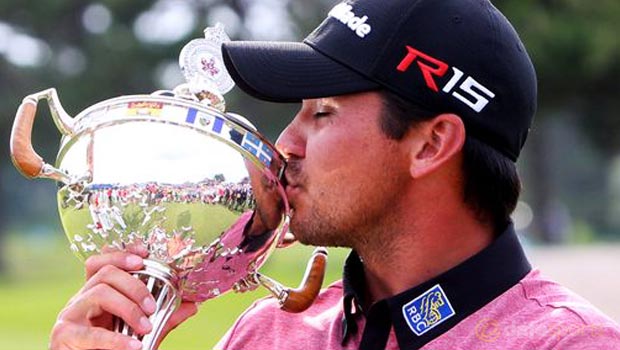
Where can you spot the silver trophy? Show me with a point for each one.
(174, 175)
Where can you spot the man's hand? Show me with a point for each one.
(86, 321)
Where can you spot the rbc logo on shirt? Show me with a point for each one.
(428, 310)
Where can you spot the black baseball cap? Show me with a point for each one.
(447, 56)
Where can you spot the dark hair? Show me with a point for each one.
(491, 185)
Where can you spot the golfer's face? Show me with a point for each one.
(343, 170)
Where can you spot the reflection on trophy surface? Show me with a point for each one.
(172, 174)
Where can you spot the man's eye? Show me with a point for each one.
(321, 114)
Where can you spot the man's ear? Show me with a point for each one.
(436, 141)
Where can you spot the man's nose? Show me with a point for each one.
(291, 142)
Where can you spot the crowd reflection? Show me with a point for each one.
(237, 197)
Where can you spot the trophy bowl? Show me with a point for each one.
(173, 175)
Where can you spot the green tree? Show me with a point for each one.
(576, 52)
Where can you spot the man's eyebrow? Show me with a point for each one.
(327, 102)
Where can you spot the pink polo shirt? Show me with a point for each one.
(535, 313)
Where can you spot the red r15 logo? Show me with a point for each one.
(477, 94)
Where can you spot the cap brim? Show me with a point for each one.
(289, 72)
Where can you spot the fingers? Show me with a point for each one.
(122, 260)
(86, 321)
(126, 284)
(103, 300)
(69, 335)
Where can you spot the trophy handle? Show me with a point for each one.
(25, 158)
(298, 300)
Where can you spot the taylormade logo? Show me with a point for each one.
(344, 13)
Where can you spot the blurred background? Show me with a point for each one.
(568, 216)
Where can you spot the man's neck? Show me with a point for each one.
(420, 254)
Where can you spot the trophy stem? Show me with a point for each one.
(157, 277)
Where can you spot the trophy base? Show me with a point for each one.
(157, 277)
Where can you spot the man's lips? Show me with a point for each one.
(290, 181)
(291, 186)
(293, 178)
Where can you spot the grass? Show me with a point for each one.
(43, 274)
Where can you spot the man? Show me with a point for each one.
(413, 114)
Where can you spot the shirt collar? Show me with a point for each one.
(432, 308)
